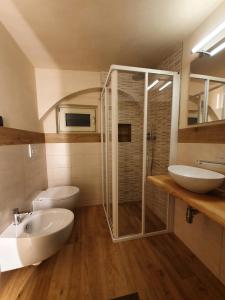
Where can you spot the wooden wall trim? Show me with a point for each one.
(72, 137)
(12, 136)
(214, 133)
(211, 134)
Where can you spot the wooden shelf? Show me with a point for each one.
(208, 204)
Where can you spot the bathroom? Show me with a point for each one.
(106, 110)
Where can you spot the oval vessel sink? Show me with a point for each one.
(195, 179)
(40, 235)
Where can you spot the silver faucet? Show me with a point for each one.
(18, 216)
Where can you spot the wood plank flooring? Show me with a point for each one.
(91, 266)
(129, 216)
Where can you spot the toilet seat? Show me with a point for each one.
(59, 196)
(58, 193)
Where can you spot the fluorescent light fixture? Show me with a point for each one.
(165, 85)
(208, 38)
(152, 84)
(217, 49)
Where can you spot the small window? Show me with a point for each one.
(75, 118)
(82, 120)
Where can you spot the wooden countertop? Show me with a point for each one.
(210, 205)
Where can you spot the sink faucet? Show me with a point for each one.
(18, 216)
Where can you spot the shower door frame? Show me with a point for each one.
(113, 75)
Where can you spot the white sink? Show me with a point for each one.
(40, 235)
(195, 179)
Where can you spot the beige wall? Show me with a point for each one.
(20, 176)
(204, 237)
(207, 26)
(53, 85)
(17, 86)
(76, 164)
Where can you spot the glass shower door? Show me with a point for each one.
(107, 152)
(139, 139)
(157, 149)
(104, 151)
(130, 151)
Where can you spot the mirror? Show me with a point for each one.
(206, 93)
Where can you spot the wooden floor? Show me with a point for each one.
(90, 266)
(130, 219)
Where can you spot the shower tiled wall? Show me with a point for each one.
(159, 121)
(130, 106)
(130, 153)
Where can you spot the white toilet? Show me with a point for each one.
(59, 196)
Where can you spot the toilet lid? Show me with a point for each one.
(59, 192)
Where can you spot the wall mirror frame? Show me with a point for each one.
(206, 99)
(206, 90)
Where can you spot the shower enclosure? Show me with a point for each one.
(139, 121)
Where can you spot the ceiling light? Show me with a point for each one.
(165, 85)
(217, 49)
(208, 38)
(152, 84)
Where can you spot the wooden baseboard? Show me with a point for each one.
(72, 137)
(211, 134)
(12, 136)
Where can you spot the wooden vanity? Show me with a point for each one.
(210, 205)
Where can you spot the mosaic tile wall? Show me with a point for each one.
(130, 104)
(130, 153)
(159, 120)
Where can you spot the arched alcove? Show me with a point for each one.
(90, 96)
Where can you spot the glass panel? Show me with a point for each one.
(104, 152)
(158, 149)
(130, 151)
(109, 150)
(196, 101)
(215, 101)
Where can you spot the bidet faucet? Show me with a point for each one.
(18, 216)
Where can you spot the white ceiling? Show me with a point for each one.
(93, 34)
